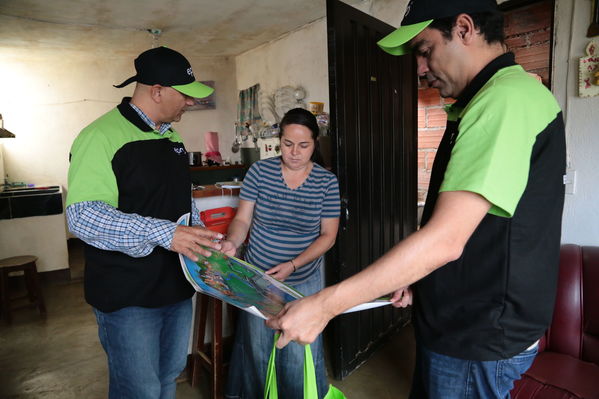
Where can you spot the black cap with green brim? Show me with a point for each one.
(167, 67)
(421, 13)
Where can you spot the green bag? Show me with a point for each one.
(310, 390)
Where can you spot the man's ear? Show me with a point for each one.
(156, 93)
(464, 28)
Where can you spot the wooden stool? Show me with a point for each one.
(209, 356)
(25, 264)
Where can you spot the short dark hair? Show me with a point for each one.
(300, 116)
(489, 24)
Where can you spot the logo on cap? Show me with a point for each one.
(189, 72)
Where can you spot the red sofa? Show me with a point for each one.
(567, 365)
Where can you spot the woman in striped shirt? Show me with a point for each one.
(292, 206)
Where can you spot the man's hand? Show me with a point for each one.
(402, 297)
(301, 320)
(188, 241)
(281, 271)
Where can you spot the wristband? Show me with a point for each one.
(293, 264)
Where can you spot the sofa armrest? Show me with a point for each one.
(554, 375)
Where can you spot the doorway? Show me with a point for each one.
(373, 131)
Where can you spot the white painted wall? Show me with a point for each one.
(48, 95)
(298, 58)
(47, 98)
(581, 213)
(389, 11)
(194, 124)
(41, 236)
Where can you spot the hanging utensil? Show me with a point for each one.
(236, 142)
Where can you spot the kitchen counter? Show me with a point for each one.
(209, 175)
(214, 191)
(220, 167)
(34, 224)
(19, 202)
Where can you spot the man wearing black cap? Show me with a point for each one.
(484, 262)
(129, 183)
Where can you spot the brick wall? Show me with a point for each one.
(431, 125)
(528, 34)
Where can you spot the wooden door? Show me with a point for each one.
(373, 131)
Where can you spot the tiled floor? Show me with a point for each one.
(62, 357)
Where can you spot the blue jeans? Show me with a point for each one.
(146, 349)
(438, 376)
(252, 347)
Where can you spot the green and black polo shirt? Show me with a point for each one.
(505, 140)
(120, 160)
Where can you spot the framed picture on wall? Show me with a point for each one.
(206, 102)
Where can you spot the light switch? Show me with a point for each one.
(570, 181)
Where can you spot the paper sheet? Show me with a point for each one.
(243, 285)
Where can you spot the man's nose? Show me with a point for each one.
(421, 66)
(189, 100)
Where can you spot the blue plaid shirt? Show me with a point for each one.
(163, 126)
(103, 226)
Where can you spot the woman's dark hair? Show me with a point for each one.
(490, 25)
(300, 116)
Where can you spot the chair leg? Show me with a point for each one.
(213, 358)
(38, 291)
(5, 297)
(201, 315)
(217, 350)
(31, 292)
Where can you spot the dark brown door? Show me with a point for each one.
(373, 131)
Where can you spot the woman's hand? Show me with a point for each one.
(228, 248)
(281, 271)
(402, 297)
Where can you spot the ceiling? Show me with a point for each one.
(207, 27)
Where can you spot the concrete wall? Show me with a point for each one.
(300, 58)
(194, 124)
(581, 213)
(48, 93)
(47, 97)
(296, 59)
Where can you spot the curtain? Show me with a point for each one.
(247, 108)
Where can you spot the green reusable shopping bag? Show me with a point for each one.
(310, 390)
